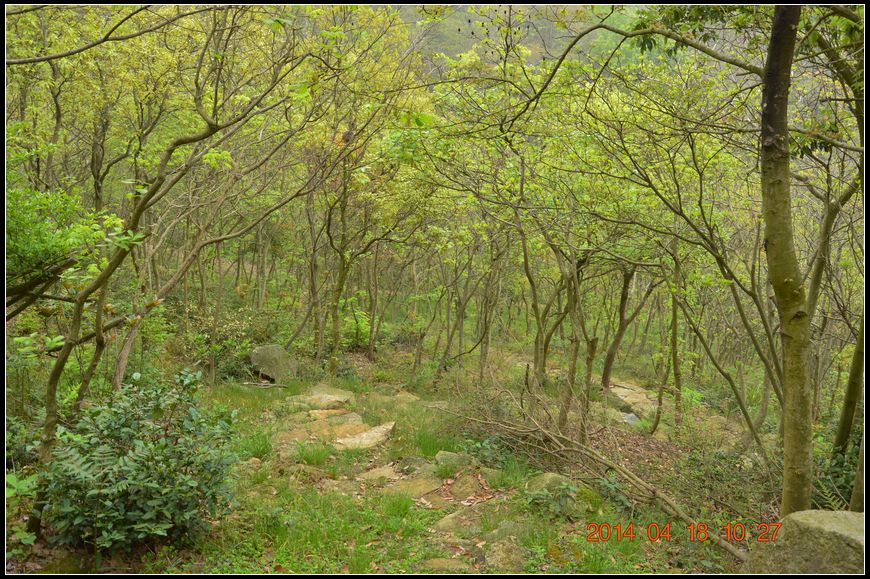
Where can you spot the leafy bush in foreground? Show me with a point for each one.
(148, 463)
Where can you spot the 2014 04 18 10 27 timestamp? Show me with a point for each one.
(699, 532)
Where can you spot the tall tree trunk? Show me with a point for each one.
(782, 263)
(853, 394)
(857, 502)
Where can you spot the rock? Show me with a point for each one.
(505, 556)
(273, 361)
(828, 542)
(321, 414)
(325, 430)
(491, 475)
(436, 501)
(325, 401)
(631, 398)
(454, 458)
(286, 438)
(299, 417)
(405, 397)
(630, 418)
(304, 403)
(367, 439)
(383, 472)
(549, 481)
(254, 462)
(464, 521)
(324, 389)
(465, 487)
(447, 565)
(415, 487)
(345, 418)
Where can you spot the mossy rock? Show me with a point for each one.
(828, 542)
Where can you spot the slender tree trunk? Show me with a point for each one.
(853, 393)
(783, 267)
(857, 502)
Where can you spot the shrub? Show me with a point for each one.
(18, 492)
(146, 464)
(559, 502)
(22, 442)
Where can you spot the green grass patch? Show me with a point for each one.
(254, 445)
(429, 441)
(315, 454)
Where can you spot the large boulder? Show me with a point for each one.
(826, 542)
(273, 361)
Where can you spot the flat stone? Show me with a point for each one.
(447, 565)
(325, 401)
(323, 414)
(823, 542)
(435, 501)
(415, 487)
(367, 439)
(463, 521)
(382, 472)
(465, 487)
(285, 438)
(345, 418)
(324, 389)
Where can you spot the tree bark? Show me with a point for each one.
(853, 392)
(782, 261)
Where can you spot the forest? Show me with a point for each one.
(434, 289)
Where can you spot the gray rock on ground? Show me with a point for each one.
(548, 481)
(273, 361)
(828, 542)
(456, 459)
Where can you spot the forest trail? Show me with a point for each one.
(452, 483)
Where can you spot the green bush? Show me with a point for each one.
(146, 464)
(558, 503)
(22, 442)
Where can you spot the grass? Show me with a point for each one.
(429, 441)
(281, 525)
(254, 445)
(314, 454)
(512, 475)
(446, 470)
(307, 532)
